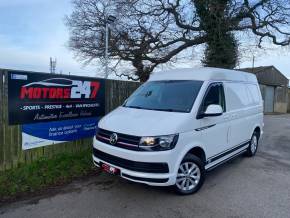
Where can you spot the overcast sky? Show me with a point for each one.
(32, 31)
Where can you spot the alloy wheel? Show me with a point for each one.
(254, 144)
(188, 176)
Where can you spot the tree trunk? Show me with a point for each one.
(142, 71)
(222, 48)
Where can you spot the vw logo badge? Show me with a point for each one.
(113, 138)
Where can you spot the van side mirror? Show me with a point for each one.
(213, 110)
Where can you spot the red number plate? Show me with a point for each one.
(109, 169)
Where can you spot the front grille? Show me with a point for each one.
(124, 141)
(132, 165)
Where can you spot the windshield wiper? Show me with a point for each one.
(168, 110)
(143, 108)
(137, 107)
(156, 109)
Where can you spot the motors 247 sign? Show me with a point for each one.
(40, 97)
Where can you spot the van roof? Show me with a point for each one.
(203, 74)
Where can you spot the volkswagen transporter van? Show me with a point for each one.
(180, 124)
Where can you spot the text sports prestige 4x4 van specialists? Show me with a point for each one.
(179, 124)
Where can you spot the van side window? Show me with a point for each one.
(237, 94)
(254, 93)
(215, 95)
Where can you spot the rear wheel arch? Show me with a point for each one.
(258, 131)
(254, 142)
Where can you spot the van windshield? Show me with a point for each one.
(171, 96)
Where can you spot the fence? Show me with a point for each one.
(11, 153)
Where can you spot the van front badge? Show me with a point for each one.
(113, 139)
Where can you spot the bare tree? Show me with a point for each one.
(148, 33)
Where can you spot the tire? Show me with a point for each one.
(253, 146)
(193, 175)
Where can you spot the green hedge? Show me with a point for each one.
(43, 173)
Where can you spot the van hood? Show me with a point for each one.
(141, 122)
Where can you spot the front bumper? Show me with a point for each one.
(152, 168)
(137, 166)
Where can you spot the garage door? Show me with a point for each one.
(269, 99)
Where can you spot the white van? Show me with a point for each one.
(180, 124)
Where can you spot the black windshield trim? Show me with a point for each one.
(169, 109)
(156, 109)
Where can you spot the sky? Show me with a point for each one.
(32, 31)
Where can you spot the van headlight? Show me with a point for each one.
(158, 143)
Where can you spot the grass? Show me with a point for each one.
(44, 173)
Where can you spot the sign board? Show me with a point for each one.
(41, 97)
(42, 134)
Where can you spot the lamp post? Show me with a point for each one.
(110, 19)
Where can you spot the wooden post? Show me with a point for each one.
(1, 121)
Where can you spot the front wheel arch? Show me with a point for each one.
(190, 149)
(198, 152)
(190, 158)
